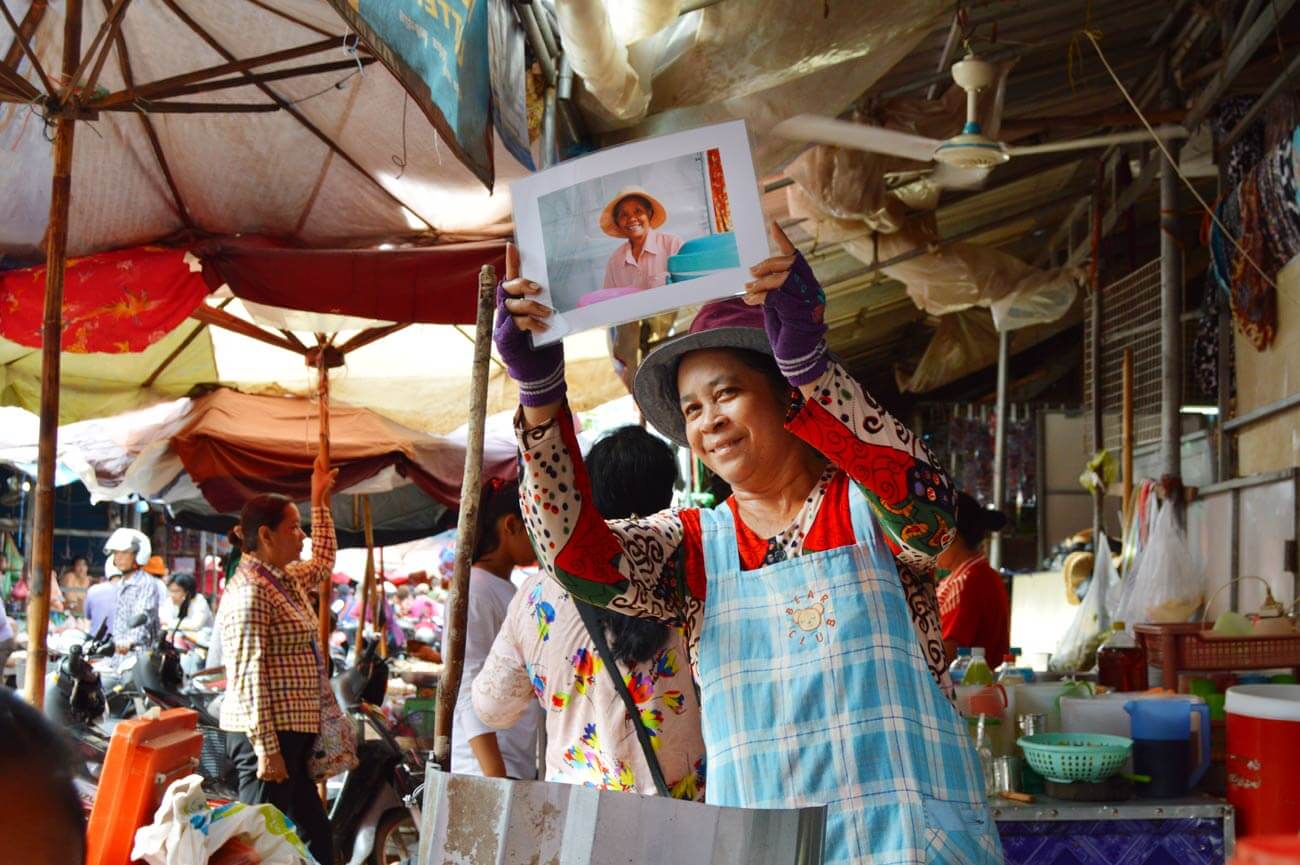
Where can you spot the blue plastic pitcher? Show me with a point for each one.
(1162, 730)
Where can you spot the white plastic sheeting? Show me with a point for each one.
(758, 60)
(597, 37)
(963, 275)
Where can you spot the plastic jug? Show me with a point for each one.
(1105, 713)
(1162, 732)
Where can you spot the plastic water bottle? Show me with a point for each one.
(978, 671)
(1009, 673)
(957, 671)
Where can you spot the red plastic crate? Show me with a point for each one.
(1187, 647)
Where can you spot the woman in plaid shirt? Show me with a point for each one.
(271, 711)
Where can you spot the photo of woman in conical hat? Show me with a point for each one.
(642, 262)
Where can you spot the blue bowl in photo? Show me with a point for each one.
(709, 243)
(698, 262)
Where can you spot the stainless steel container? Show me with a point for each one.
(1031, 724)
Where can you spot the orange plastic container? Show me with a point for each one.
(144, 757)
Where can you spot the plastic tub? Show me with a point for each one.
(1045, 699)
(709, 243)
(1264, 758)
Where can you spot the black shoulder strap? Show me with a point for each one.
(597, 633)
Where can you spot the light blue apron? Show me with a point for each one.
(815, 691)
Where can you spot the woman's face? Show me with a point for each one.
(632, 217)
(177, 594)
(281, 544)
(734, 422)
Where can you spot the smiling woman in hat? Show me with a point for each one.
(807, 597)
(642, 262)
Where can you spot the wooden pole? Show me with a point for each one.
(453, 647)
(381, 611)
(56, 251)
(326, 587)
(368, 582)
(323, 407)
(1126, 433)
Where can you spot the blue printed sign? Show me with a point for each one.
(439, 49)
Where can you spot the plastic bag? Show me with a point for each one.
(1167, 586)
(186, 830)
(1077, 650)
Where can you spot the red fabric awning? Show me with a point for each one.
(235, 446)
(431, 285)
(114, 302)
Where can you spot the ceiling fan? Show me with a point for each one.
(963, 161)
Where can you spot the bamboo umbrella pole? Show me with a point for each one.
(369, 580)
(381, 612)
(453, 653)
(56, 248)
(323, 403)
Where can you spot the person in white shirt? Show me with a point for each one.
(502, 546)
(184, 605)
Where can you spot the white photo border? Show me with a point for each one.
(731, 139)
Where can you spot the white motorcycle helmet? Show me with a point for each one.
(123, 540)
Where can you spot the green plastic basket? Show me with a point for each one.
(1065, 757)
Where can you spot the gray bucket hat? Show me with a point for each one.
(729, 323)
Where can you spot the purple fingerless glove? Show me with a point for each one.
(539, 372)
(793, 317)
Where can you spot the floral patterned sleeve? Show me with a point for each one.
(909, 493)
(635, 566)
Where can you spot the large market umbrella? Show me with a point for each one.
(140, 327)
(210, 119)
(205, 456)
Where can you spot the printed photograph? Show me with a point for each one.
(638, 229)
(641, 229)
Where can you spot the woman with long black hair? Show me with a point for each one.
(185, 610)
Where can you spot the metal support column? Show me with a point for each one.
(1171, 308)
(1000, 443)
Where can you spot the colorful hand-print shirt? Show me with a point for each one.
(654, 566)
(543, 655)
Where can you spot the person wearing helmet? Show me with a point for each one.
(138, 592)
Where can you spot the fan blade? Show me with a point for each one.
(857, 136)
(1098, 141)
(952, 177)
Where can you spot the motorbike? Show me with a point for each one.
(375, 812)
(74, 699)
